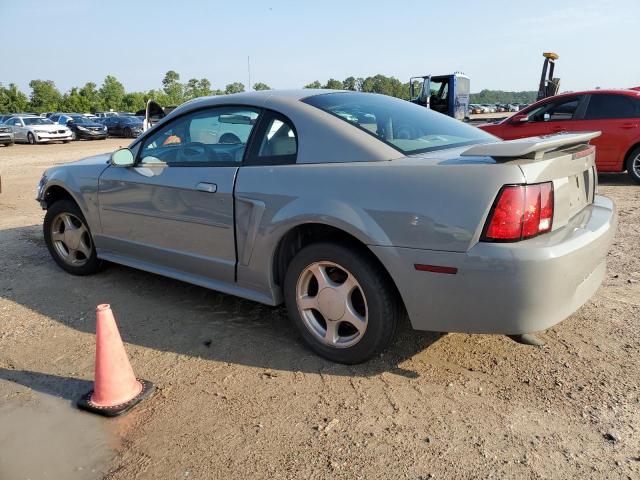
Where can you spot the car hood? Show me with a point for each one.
(47, 128)
(90, 124)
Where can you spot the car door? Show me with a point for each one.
(19, 130)
(617, 116)
(173, 210)
(108, 122)
(554, 116)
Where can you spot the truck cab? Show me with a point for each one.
(447, 94)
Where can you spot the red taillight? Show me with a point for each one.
(521, 211)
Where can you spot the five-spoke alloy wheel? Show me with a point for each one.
(332, 305)
(341, 301)
(633, 165)
(68, 238)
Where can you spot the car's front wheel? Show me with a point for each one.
(31, 139)
(128, 133)
(341, 301)
(633, 165)
(69, 240)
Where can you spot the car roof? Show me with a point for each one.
(322, 136)
(615, 91)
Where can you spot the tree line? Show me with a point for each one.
(111, 95)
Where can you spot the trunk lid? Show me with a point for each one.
(565, 159)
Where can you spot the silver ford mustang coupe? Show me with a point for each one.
(353, 209)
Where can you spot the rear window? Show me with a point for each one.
(405, 126)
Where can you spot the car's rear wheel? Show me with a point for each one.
(341, 302)
(31, 139)
(633, 165)
(69, 240)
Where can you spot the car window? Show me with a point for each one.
(11, 121)
(602, 105)
(212, 136)
(563, 109)
(405, 126)
(279, 139)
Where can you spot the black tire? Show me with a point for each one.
(10, 144)
(92, 264)
(31, 139)
(634, 173)
(383, 307)
(128, 133)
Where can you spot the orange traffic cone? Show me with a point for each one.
(116, 389)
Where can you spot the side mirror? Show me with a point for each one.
(546, 117)
(520, 118)
(122, 158)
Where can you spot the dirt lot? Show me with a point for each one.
(240, 397)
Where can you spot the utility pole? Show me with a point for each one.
(249, 70)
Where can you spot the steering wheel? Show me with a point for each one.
(191, 152)
(229, 138)
(406, 132)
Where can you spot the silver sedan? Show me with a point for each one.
(33, 129)
(351, 208)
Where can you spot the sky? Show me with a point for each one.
(498, 43)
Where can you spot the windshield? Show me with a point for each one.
(80, 119)
(405, 126)
(37, 121)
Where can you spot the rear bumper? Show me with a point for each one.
(509, 288)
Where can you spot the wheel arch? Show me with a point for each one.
(301, 235)
(627, 155)
(55, 192)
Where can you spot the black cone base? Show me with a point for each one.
(85, 402)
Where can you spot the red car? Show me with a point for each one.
(616, 113)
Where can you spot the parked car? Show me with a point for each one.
(82, 127)
(308, 203)
(475, 109)
(106, 114)
(34, 129)
(513, 107)
(128, 127)
(7, 116)
(6, 136)
(615, 113)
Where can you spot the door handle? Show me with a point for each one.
(629, 125)
(207, 187)
(558, 129)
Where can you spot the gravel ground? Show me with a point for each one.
(240, 397)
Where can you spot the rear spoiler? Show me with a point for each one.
(532, 147)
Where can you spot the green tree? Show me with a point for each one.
(12, 100)
(352, 83)
(112, 93)
(386, 85)
(134, 101)
(92, 95)
(334, 84)
(314, 84)
(235, 87)
(195, 88)
(499, 96)
(261, 86)
(74, 102)
(44, 96)
(173, 88)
